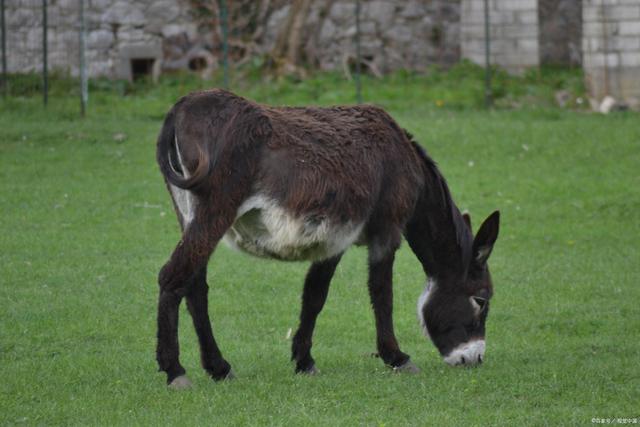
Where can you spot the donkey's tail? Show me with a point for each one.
(168, 158)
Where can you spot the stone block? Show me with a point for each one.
(380, 11)
(611, 12)
(597, 29)
(97, 5)
(163, 10)
(414, 9)
(345, 11)
(101, 39)
(399, 34)
(328, 30)
(590, 14)
(124, 13)
(597, 44)
(520, 31)
(601, 60)
(528, 17)
(631, 59)
(472, 17)
(631, 28)
(22, 18)
(530, 5)
(598, 3)
(627, 43)
(469, 6)
(527, 45)
(623, 13)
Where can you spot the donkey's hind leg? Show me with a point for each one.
(189, 257)
(168, 350)
(210, 355)
(314, 295)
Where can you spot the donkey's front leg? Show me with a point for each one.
(381, 293)
(314, 295)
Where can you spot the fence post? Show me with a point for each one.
(224, 18)
(5, 88)
(84, 89)
(488, 95)
(358, 56)
(45, 65)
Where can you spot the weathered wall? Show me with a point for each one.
(611, 49)
(117, 31)
(513, 33)
(409, 34)
(395, 34)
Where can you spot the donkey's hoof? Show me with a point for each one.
(307, 370)
(312, 370)
(407, 367)
(230, 375)
(180, 383)
(221, 375)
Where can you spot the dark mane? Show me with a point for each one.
(442, 210)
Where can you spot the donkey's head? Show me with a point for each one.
(453, 309)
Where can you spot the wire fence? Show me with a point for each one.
(40, 42)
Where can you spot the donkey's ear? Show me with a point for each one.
(467, 220)
(486, 237)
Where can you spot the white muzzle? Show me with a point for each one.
(468, 354)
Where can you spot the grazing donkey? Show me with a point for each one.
(305, 184)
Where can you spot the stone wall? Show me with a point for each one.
(395, 34)
(611, 49)
(117, 32)
(411, 34)
(124, 37)
(513, 33)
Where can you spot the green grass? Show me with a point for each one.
(86, 223)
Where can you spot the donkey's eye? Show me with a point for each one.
(478, 304)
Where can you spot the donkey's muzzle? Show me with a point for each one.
(467, 354)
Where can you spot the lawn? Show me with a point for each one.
(86, 223)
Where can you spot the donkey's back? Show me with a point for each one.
(303, 183)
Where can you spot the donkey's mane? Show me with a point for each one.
(437, 195)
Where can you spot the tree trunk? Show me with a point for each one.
(287, 52)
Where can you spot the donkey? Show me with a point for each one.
(295, 183)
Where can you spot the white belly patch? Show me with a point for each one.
(265, 229)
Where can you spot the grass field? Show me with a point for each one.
(86, 223)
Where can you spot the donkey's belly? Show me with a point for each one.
(263, 228)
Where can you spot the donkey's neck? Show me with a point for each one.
(437, 232)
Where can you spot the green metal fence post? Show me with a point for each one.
(224, 23)
(488, 92)
(84, 89)
(358, 56)
(5, 88)
(45, 66)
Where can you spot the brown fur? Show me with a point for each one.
(342, 164)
